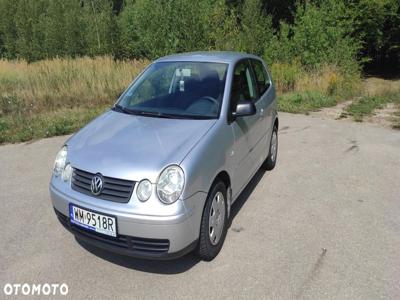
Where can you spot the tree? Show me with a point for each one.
(223, 33)
(8, 30)
(256, 28)
(313, 32)
(53, 25)
(75, 28)
(151, 28)
(377, 24)
(29, 36)
(321, 34)
(98, 16)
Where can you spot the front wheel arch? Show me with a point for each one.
(205, 249)
(226, 179)
(276, 122)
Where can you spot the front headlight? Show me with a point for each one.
(170, 184)
(59, 164)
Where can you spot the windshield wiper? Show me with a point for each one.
(158, 114)
(119, 108)
(196, 117)
(125, 110)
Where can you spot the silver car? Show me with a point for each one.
(156, 175)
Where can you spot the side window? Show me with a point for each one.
(243, 85)
(262, 78)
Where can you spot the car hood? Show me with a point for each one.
(133, 147)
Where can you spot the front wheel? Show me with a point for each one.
(270, 162)
(214, 223)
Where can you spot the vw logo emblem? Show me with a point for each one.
(97, 185)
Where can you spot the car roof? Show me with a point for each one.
(229, 57)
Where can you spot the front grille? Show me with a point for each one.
(135, 244)
(116, 190)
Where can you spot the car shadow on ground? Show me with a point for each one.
(175, 266)
(245, 195)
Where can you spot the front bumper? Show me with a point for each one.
(144, 236)
(125, 245)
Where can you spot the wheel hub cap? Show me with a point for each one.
(273, 146)
(216, 218)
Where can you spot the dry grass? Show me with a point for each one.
(53, 97)
(302, 91)
(328, 80)
(378, 96)
(396, 121)
(49, 85)
(377, 86)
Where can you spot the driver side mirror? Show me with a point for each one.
(244, 109)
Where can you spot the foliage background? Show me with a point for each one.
(312, 32)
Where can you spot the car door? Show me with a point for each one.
(245, 129)
(265, 108)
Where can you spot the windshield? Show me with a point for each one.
(177, 90)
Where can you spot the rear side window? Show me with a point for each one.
(262, 77)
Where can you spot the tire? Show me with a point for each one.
(210, 245)
(270, 161)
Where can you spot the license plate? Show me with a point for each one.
(93, 221)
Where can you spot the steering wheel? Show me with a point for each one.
(200, 105)
(209, 98)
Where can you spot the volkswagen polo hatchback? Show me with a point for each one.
(156, 175)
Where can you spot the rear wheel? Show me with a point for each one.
(214, 223)
(270, 162)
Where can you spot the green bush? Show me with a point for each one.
(255, 28)
(223, 32)
(315, 31)
(279, 49)
(152, 28)
(319, 36)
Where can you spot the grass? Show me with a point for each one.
(59, 96)
(396, 121)
(327, 80)
(49, 85)
(379, 95)
(56, 97)
(302, 91)
(60, 122)
(305, 102)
